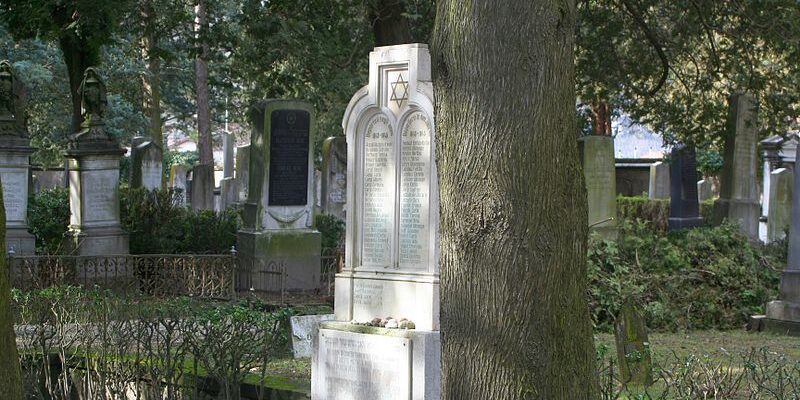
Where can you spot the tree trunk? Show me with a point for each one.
(389, 25)
(77, 57)
(10, 375)
(601, 118)
(515, 321)
(201, 86)
(151, 80)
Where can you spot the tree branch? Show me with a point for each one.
(653, 40)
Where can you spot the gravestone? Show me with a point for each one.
(738, 200)
(202, 188)
(178, 180)
(684, 210)
(659, 181)
(304, 329)
(15, 152)
(228, 146)
(278, 215)
(228, 193)
(391, 265)
(146, 167)
(93, 156)
(597, 158)
(783, 316)
(633, 346)
(242, 171)
(770, 150)
(780, 204)
(334, 176)
(705, 190)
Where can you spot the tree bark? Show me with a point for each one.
(151, 79)
(515, 321)
(389, 25)
(201, 86)
(601, 118)
(10, 374)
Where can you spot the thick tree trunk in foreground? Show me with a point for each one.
(201, 87)
(10, 376)
(515, 321)
(389, 25)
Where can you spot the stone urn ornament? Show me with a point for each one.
(92, 134)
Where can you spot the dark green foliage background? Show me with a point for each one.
(706, 278)
(331, 228)
(48, 218)
(158, 223)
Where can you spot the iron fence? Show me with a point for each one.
(161, 275)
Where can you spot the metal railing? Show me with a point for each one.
(161, 275)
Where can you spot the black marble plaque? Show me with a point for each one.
(288, 159)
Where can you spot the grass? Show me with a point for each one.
(714, 344)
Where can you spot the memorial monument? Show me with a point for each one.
(334, 176)
(684, 209)
(242, 174)
(146, 167)
(15, 166)
(279, 212)
(780, 203)
(783, 316)
(738, 198)
(93, 157)
(597, 159)
(659, 187)
(385, 343)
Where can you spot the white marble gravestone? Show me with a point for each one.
(15, 163)
(391, 257)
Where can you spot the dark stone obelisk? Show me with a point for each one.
(684, 209)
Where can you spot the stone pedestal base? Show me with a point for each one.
(262, 254)
(365, 295)
(367, 363)
(20, 241)
(675, 224)
(98, 242)
(746, 213)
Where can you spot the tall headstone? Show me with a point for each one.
(780, 204)
(93, 156)
(738, 200)
(242, 171)
(597, 158)
(15, 152)
(279, 212)
(228, 193)
(202, 189)
(146, 167)
(178, 180)
(228, 156)
(770, 150)
(705, 190)
(391, 271)
(684, 209)
(334, 176)
(659, 181)
(783, 315)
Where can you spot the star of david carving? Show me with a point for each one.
(399, 91)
